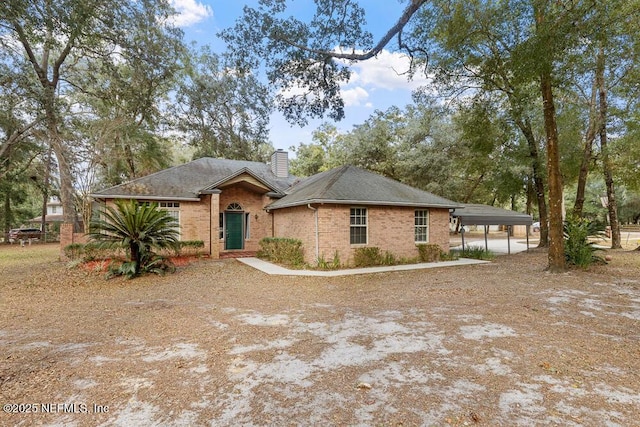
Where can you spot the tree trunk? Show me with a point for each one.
(612, 205)
(530, 196)
(7, 213)
(587, 154)
(61, 152)
(534, 155)
(556, 242)
(45, 194)
(134, 249)
(544, 30)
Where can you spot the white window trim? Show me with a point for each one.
(366, 226)
(247, 226)
(425, 226)
(173, 208)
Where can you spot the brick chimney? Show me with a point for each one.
(280, 163)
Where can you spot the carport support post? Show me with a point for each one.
(462, 232)
(509, 239)
(486, 244)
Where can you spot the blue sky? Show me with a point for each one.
(375, 84)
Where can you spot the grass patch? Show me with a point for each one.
(476, 252)
(16, 256)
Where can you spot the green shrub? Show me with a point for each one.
(476, 252)
(448, 256)
(389, 259)
(189, 247)
(282, 250)
(74, 251)
(334, 264)
(429, 252)
(578, 250)
(91, 251)
(149, 263)
(94, 251)
(139, 227)
(367, 257)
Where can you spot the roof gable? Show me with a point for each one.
(352, 185)
(190, 180)
(245, 178)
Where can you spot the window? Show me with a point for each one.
(173, 209)
(358, 229)
(221, 224)
(422, 226)
(247, 234)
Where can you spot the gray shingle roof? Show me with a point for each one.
(187, 181)
(352, 185)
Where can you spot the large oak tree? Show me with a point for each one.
(308, 60)
(55, 40)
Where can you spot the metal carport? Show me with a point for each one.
(485, 215)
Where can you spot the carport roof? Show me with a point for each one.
(474, 214)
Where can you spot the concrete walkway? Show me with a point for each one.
(500, 246)
(276, 270)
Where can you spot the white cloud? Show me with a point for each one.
(386, 71)
(190, 12)
(354, 96)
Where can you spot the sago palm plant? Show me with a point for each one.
(578, 249)
(138, 227)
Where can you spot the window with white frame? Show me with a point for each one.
(173, 209)
(358, 229)
(421, 226)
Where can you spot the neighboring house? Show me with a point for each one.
(54, 217)
(230, 205)
(54, 212)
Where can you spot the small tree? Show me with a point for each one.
(138, 227)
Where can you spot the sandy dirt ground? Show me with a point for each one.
(218, 343)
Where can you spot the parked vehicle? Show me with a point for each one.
(18, 234)
(536, 227)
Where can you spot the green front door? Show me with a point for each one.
(233, 230)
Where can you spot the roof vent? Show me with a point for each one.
(280, 163)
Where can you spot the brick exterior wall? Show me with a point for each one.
(439, 228)
(214, 220)
(199, 220)
(68, 237)
(389, 228)
(195, 221)
(297, 223)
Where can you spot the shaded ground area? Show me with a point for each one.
(219, 343)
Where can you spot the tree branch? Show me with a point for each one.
(410, 10)
(16, 137)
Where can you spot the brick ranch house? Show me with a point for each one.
(230, 205)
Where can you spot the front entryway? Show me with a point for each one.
(234, 230)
